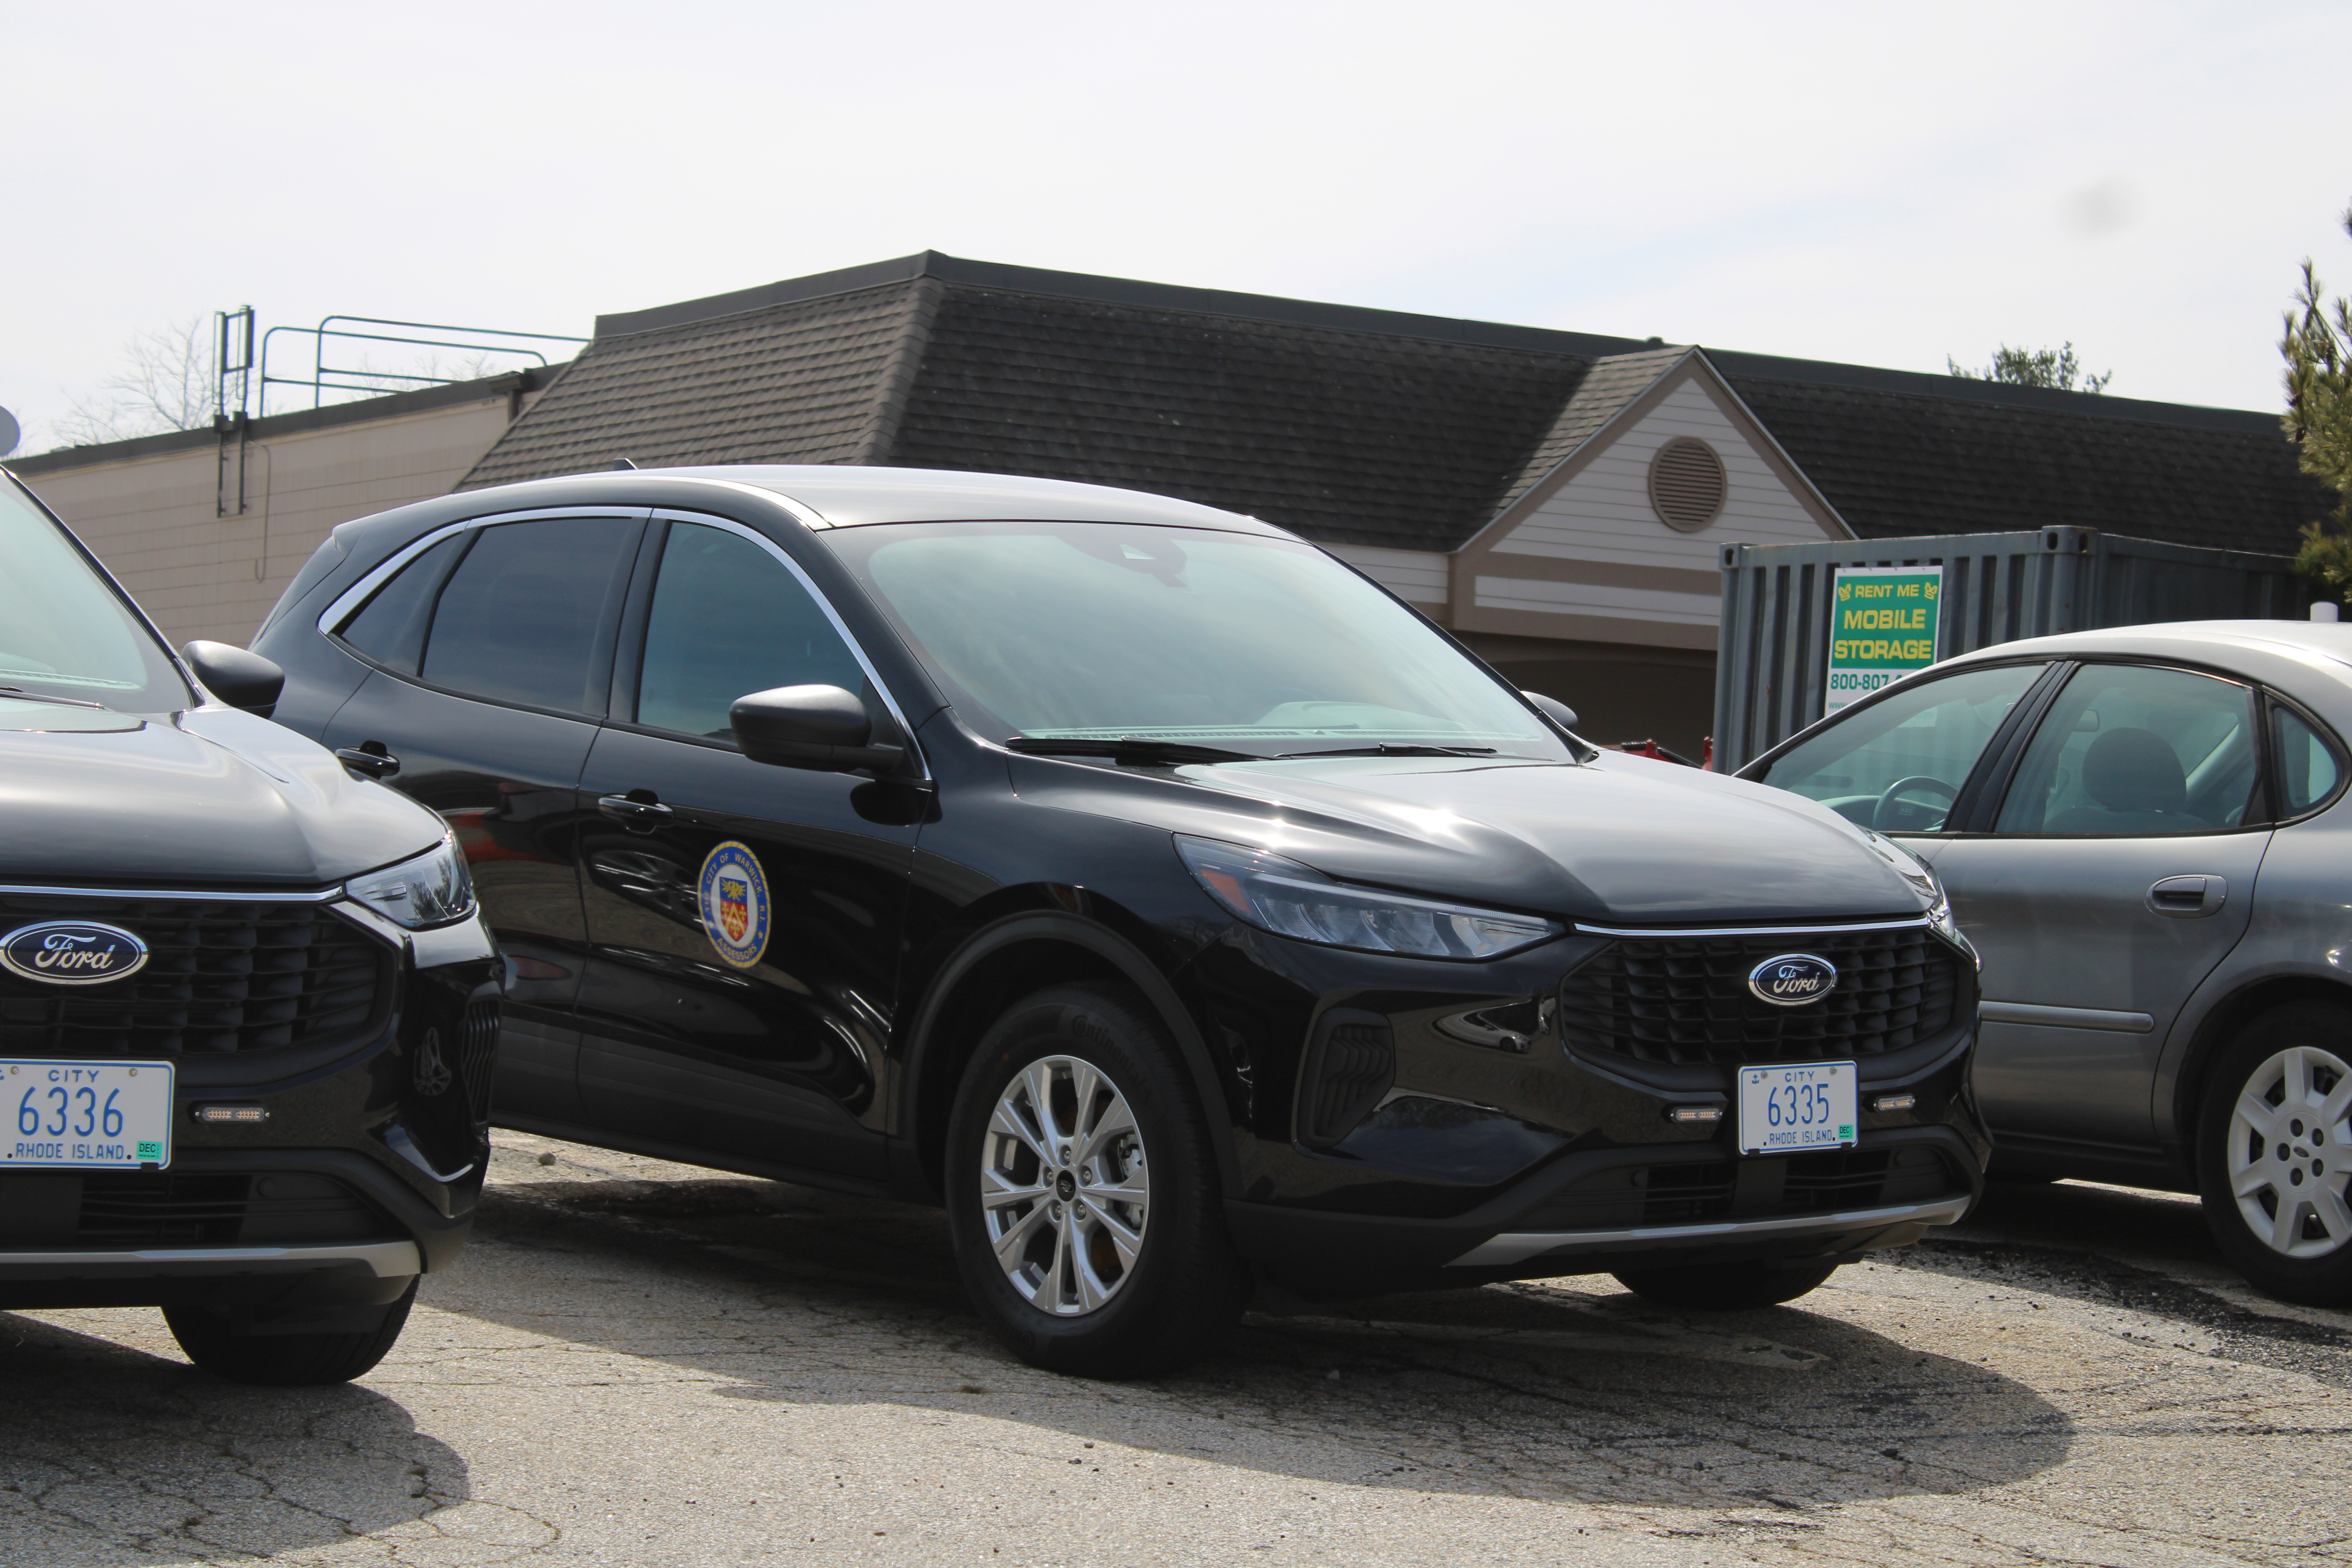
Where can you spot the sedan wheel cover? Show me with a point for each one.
(2290, 1152)
(1063, 1186)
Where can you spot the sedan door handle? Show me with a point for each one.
(638, 811)
(2189, 898)
(369, 758)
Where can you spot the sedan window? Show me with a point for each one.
(1898, 765)
(2126, 750)
(2309, 769)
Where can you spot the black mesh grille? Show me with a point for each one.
(221, 976)
(479, 1056)
(125, 1209)
(1684, 1000)
(1352, 1065)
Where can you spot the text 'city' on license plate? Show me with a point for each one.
(85, 1115)
(1804, 1105)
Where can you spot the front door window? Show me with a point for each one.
(1898, 764)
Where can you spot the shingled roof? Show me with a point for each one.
(1350, 425)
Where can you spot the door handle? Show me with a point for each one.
(2189, 898)
(370, 759)
(638, 811)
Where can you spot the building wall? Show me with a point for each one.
(151, 519)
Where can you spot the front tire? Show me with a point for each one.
(1082, 1189)
(2275, 1152)
(1728, 1286)
(222, 1344)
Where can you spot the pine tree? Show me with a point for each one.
(2317, 346)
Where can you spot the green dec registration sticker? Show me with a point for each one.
(1882, 625)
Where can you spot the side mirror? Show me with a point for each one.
(239, 679)
(1552, 708)
(821, 727)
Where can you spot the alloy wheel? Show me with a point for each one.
(2290, 1152)
(1064, 1188)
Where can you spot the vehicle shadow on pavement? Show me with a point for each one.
(2110, 1247)
(1568, 1390)
(110, 1455)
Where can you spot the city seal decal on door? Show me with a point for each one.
(72, 953)
(735, 904)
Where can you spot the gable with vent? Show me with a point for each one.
(1618, 538)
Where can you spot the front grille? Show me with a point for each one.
(220, 976)
(124, 1210)
(1691, 1192)
(477, 1056)
(1680, 1001)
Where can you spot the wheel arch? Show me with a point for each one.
(2217, 1028)
(996, 965)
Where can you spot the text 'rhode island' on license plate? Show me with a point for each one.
(1783, 1109)
(85, 1115)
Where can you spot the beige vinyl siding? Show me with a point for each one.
(1416, 576)
(151, 520)
(1650, 605)
(1602, 513)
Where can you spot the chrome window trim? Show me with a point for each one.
(1677, 931)
(802, 513)
(808, 585)
(353, 597)
(316, 896)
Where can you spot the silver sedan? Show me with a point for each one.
(2144, 832)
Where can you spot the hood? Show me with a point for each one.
(1624, 838)
(212, 796)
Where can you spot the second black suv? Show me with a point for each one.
(1164, 896)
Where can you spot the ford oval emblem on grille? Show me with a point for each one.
(72, 953)
(1792, 979)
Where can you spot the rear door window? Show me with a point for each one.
(527, 615)
(2140, 751)
(1898, 764)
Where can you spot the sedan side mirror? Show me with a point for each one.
(239, 679)
(821, 727)
(1552, 708)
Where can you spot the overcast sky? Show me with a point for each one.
(1879, 184)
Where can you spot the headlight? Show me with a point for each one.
(431, 889)
(1291, 900)
(1921, 876)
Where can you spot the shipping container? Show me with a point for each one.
(1772, 654)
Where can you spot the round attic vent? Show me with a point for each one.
(1686, 484)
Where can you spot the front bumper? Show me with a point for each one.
(364, 1173)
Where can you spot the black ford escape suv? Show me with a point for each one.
(247, 1011)
(1164, 897)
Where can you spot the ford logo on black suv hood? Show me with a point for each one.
(1792, 979)
(72, 953)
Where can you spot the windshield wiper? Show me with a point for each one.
(1131, 748)
(1396, 749)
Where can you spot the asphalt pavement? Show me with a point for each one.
(645, 1363)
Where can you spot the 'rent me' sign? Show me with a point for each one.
(1881, 626)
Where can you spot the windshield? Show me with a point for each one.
(63, 632)
(1098, 631)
